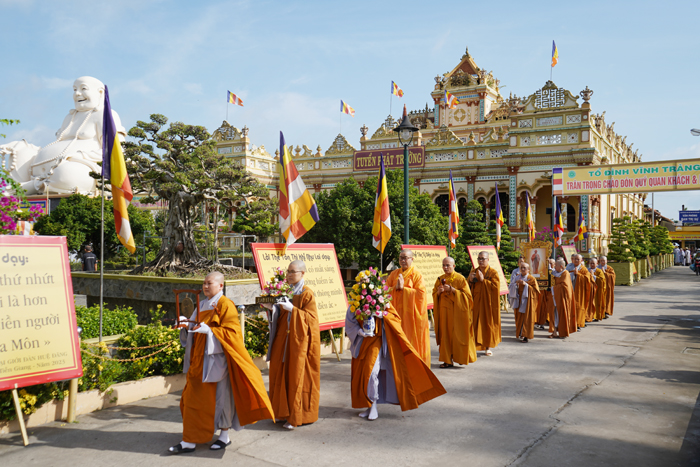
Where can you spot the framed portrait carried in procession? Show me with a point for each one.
(537, 255)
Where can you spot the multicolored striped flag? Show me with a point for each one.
(114, 170)
(582, 231)
(530, 220)
(396, 90)
(298, 211)
(346, 109)
(234, 99)
(555, 54)
(381, 228)
(557, 181)
(451, 100)
(558, 228)
(454, 214)
(499, 219)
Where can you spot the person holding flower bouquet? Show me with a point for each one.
(295, 352)
(410, 301)
(452, 305)
(386, 368)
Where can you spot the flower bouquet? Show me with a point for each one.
(277, 288)
(369, 299)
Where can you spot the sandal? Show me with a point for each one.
(447, 365)
(220, 445)
(178, 449)
(488, 353)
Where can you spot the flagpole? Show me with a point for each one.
(554, 213)
(227, 111)
(102, 253)
(391, 98)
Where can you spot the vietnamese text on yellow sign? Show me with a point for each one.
(632, 178)
(427, 259)
(322, 276)
(38, 338)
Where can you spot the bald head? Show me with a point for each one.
(296, 271)
(448, 265)
(524, 269)
(559, 265)
(405, 259)
(213, 284)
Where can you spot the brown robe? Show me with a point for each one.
(198, 401)
(454, 332)
(599, 291)
(582, 295)
(487, 310)
(610, 291)
(415, 383)
(295, 371)
(545, 303)
(564, 299)
(525, 322)
(412, 306)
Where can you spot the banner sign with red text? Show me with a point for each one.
(393, 158)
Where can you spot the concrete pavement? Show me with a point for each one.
(621, 392)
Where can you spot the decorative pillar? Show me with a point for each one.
(470, 192)
(585, 243)
(488, 214)
(533, 204)
(512, 201)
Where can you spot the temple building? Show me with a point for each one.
(486, 140)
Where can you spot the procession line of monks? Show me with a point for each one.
(225, 389)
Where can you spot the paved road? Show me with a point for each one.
(623, 392)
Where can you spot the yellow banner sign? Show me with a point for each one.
(427, 259)
(322, 275)
(39, 341)
(684, 235)
(642, 177)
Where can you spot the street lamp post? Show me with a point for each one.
(405, 131)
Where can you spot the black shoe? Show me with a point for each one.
(219, 443)
(178, 449)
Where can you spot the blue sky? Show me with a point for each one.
(292, 62)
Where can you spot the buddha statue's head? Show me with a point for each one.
(88, 93)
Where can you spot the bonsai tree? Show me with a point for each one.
(643, 237)
(472, 231)
(618, 247)
(660, 241)
(180, 166)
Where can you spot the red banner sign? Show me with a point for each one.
(393, 158)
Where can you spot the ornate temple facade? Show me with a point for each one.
(486, 140)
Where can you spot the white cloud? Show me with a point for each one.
(39, 135)
(56, 83)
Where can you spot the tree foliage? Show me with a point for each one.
(180, 166)
(508, 255)
(660, 241)
(621, 241)
(8, 122)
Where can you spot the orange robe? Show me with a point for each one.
(198, 401)
(601, 285)
(525, 322)
(454, 331)
(295, 362)
(582, 295)
(610, 291)
(412, 306)
(487, 310)
(564, 302)
(545, 303)
(415, 383)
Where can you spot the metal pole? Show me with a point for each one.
(405, 194)
(243, 252)
(653, 213)
(102, 254)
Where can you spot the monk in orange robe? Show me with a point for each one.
(386, 368)
(545, 303)
(583, 285)
(563, 315)
(524, 295)
(452, 306)
(224, 388)
(409, 297)
(597, 310)
(610, 282)
(485, 286)
(295, 353)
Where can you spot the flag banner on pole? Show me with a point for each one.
(451, 100)
(555, 54)
(346, 109)
(558, 224)
(298, 211)
(396, 90)
(582, 232)
(557, 181)
(454, 214)
(530, 221)
(499, 219)
(114, 170)
(234, 99)
(381, 228)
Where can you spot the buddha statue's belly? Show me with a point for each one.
(46, 158)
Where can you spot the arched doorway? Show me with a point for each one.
(571, 220)
(482, 202)
(443, 202)
(462, 207)
(505, 205)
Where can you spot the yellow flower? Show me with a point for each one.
(364, 286)
(352, 308)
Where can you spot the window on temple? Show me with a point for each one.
(443, 202)
(571, 220)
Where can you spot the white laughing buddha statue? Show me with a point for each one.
(64, 166)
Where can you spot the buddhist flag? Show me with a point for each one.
(114, 170)
(530, 221)
(558, 229)
(346, 109)
(234, 99)
(298, 211)
(454, 214)
(396, 90)
(499, 219)
(381, 228)
(582, 231)
(450, 100)
(555, 54)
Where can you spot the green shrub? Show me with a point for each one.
(257, 336)
(99, 373)
(116, 321)
(326, 338)
(31, 398)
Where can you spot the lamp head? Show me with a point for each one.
(406, 129)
